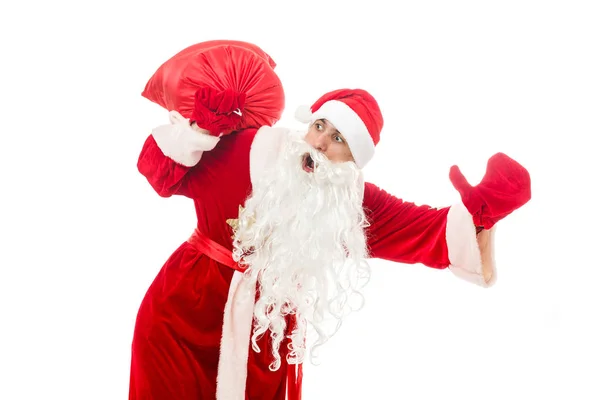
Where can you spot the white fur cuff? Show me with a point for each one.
(181, 143)
(468, 252)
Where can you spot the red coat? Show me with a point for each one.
(180, 332)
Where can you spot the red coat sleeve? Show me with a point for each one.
(166, 176)
(404, 232)
(186, 162)
(436, 237)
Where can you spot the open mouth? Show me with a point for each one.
(308, 163)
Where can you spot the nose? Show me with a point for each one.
(322, 142)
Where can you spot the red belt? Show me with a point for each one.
(213, 250)
(223, 256)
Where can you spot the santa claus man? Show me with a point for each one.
(286, 226)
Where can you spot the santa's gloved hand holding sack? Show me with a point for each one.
(218, 111)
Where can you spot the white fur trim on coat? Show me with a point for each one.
(239, 309)
(182, 143)
(265, 150)
(237, 327)
(468, 252)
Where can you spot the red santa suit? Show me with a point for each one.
(191, 337)
(179, 327)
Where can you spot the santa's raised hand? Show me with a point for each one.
(218, 111)
(505, 187)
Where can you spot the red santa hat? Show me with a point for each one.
(355, 113)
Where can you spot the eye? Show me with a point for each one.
(338, 138)
(319, 125)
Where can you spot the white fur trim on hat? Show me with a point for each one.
(348, 123)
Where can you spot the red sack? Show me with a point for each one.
(221, 65)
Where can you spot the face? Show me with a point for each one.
(324, 137)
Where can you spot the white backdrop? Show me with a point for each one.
(83, 234)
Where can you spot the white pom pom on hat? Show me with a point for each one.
(303, 114)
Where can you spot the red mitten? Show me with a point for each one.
(505, 187)
(218, 111)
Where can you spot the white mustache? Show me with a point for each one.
(324, 170)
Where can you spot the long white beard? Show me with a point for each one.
(302, 237)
